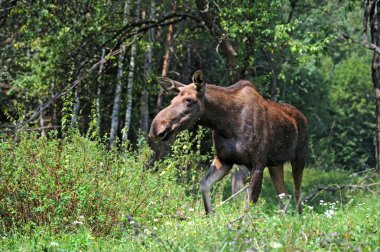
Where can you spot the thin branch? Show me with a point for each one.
(364, 43)
(334, 188)
(41, 128)
(229, 224)
(232, 196)
(129, 30)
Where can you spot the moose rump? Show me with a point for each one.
(247, 130)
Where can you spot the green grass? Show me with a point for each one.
(354, 225)
(169, 215)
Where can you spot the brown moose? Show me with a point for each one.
(247, 130)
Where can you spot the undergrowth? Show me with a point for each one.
(73, 194)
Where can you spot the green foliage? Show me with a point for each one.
(351, 93)
(72, 193)
(67, 194)
(48, 181)
(185, 159)
(348, 141)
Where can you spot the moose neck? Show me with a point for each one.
(221, 112)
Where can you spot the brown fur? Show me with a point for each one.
(247, 130)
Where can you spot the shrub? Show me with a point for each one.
(65, 183)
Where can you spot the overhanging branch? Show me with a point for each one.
(364, 43)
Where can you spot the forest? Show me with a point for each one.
(79, 91)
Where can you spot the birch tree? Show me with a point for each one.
(99, 92)
(119, 85)
(131, 79)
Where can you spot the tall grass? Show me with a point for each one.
(73, 194)
(60, 183)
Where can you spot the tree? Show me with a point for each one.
(148, 68)
(372, 20)
(119, 84)
(225, 43)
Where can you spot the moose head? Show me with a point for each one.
(185, 109)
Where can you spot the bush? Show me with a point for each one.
(75, 181)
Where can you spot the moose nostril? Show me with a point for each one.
(162, 133)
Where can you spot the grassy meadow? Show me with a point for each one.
(74, 195)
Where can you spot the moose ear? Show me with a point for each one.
(199, 81)
(170, 85)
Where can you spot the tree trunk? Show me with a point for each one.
(74, 119)
(131, 79)
(131, 76)
(98, 94)
(42, 123)
(117, 99)
(273, 85)
(372, 18)
(186, 75)
(144, 108)
(166, 61)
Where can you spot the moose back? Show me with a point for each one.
(246, 128)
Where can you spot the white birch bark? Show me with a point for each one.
(119, 84)
(74, 118)
(42, 123)
(131, 76)
(99, 92)
(131, 79)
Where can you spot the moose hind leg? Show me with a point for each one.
(297, 171)
(277, 176)
(216, 172)
(255, 184)
(239, 178)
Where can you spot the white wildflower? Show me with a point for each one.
(276, 245)
(53, 244)
(282, 195)
(191, 209)
(77, 223)
(329, 213)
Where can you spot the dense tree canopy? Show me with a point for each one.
(60, 64)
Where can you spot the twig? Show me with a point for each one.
(364, 43)
(141, 229)
(235, 220)
(232, 196)
(357, 173)
(41, 128)
(334, 188)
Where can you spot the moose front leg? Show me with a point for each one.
(216, 172)
(254, 186)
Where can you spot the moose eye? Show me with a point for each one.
(189, 102)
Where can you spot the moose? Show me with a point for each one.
(246, 129)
